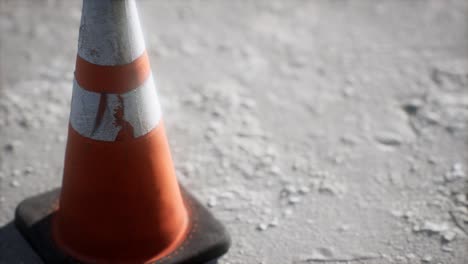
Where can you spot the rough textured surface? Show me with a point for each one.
(317, 131)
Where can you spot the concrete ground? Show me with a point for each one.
(317, 131)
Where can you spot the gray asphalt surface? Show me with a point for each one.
(317, 131)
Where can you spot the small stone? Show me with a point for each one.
(267, 211)
(434, 228)
(396, 178)
(337, 159)
(262, 227)
(274, 223)
(426, 259)
(61, 138)
(15, 173)
(294, 199)
(290, 189)
(400, 258)
(408, 215)
(456, 172)
(396, 213)
(248, 103)
(432, 118)
(9, 147)
(389, 139)
(321, 254)
(412, 107)
(343, 228)
(348, 91)
(461, 198)
(212, 201)
(432, 160)
(15, 183)
(304, 189)
(349, 140)
(2, 199)
(448, 236)
(288, 212)
(446, 248)
(275, 170)
(331, 187)
(410, 256)
(28, 170)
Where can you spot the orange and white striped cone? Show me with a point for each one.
(120, 201)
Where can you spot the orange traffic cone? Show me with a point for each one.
(120, 201)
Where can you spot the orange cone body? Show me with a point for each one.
(120, 201)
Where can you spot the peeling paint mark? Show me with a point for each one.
(100, 112)
(126, 129)
(94, 115)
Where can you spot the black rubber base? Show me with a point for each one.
(207, 241)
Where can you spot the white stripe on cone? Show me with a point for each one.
(110, 32)
(140, 108)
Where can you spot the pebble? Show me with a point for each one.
(331, 187)
(28, 170)
(248, 103)
(15, 173)
(274, 223)
(446, 248)
(9, 147)
(262, 227)
(448, 236)
(275, 170)
(433, 228)
(348, 91)
(400, 258)
(461, 198)
(294, 199)
(267, 211)
(456, 172)
(15, 183)
(432, 118)
(212, 201)
(410, 256)
(389, 138)
(61, 138)
(432, 160)
(290, 189)
(287, 212)
(412, 107)
(304, 190)
(12, 146)
(426, 259)
(349, 140)
(396, 179)
(321, 254)
(343, 228)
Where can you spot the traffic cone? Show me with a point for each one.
(120, 201)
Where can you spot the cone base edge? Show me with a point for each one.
(208, 239)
